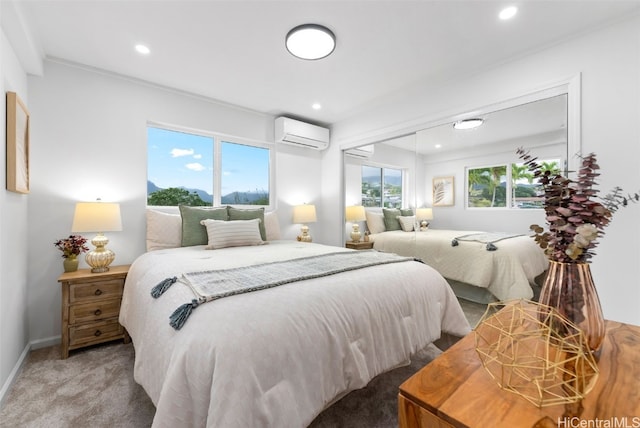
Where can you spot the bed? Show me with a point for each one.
(508, 270)
(278, 356)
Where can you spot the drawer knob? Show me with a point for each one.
(98, 292)
(97, 312)
(97, 333)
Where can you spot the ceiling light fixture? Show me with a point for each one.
(468, 123)
(316, 106)
(508, 13)
(310, 41)
(143, 49)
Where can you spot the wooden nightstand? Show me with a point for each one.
(91, 306)
(362, 245)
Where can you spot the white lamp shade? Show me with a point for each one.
(424, 214)
(355, 213)
(97, 217)
(303, 214)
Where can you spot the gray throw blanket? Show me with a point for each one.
(488, 238)
(215, 284)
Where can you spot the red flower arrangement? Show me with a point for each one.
(73, 245)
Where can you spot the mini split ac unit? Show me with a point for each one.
(363, 152)
(291, 131)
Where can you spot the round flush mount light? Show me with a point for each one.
(468, 123)
(508, 13)
(310, 41)
(142, 49)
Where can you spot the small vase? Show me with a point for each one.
(569, 288)
(71, 263)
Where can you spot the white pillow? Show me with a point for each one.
(164, 230)
(232, 233)
(375, 222)
(407, 222)
(271, 226)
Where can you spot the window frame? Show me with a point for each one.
(218, 138)
(382, 167)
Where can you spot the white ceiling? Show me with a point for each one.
(233, 51)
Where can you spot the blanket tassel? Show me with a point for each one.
(491, 247)
(180, 315)
(162, 286)
(454, 243)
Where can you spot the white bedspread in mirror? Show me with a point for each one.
(506, 272)
(276, 357)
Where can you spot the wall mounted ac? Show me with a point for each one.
(363, 152)
(297, 133)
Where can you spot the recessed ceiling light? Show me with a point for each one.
(316, 106)
(438, 146)
(508, 12)
(468, 123)
(310, 41)
(143, 49)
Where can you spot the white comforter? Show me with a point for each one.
(507, 272)
(276, 357)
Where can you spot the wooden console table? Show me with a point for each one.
(454, 390)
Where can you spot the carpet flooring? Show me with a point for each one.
(94, 387)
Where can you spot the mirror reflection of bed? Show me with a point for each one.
(493, 257)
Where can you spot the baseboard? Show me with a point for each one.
(43, 343)
(36, 344)
(14, 374)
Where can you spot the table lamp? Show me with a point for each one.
(98, 217)
(422, 215)
(303, 214)
(354, 214)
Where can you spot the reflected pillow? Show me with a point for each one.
(193, 232)
(375, 222)
(232, 233)
(391, 218)
(407, 223)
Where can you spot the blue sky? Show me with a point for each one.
(177, 159)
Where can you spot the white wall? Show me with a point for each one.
(609, 63)
(14, 238)
(89, 140)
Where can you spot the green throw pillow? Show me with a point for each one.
(193, 233)
(249, 214)
(406, 211)
(391, 221)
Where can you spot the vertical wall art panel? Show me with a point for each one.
(443, 192)
(17, 144)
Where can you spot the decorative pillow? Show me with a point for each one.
(249, 214)
(391, 218)
(406, 211)
(194, 233)
(164, 230)
(271, 226)
(407, 222)
(375, 222)
(232, 233)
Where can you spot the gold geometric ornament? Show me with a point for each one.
(533, 351)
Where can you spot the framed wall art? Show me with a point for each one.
(17, 144)
(443, 192)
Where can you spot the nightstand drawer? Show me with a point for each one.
(94, 333)
(94, 311)
(101, 290)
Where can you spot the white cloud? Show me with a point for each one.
(181, 152)
(195, 166)
(226, 173)
(197, 156)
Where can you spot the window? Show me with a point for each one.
(190, 169)
(381, 187)
(526, 192)
(488, 187)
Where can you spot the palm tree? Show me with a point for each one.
(518, 172)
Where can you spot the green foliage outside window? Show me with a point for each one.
(174, 196)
